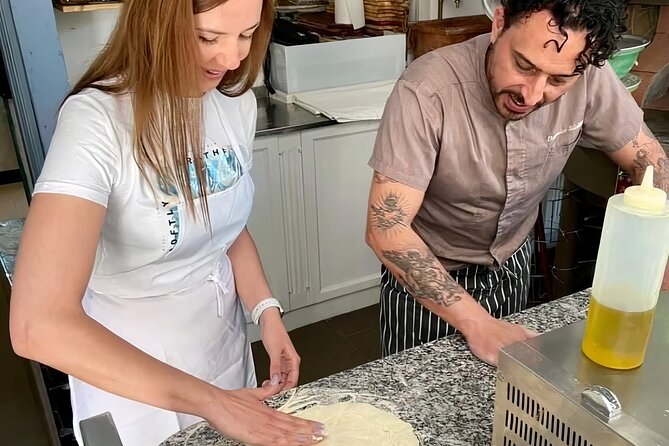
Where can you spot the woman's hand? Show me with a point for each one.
(284, 362)
(242, 416)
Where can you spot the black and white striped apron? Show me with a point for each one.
(405, 323)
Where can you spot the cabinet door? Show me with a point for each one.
(266, 221)
(292, 189)
(336, 187)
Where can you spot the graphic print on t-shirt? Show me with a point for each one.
(223, 171)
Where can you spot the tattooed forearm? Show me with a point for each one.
(388, 212)
(651, 153)
(424, 277)
(660, 168)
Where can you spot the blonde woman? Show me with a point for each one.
(135, 249)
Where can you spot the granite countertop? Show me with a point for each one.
(440, 388)
(10, 234)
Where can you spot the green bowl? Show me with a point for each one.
(629, 48)
(631, 82)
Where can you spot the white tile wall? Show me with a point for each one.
(83, 34)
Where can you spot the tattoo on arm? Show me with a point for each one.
(651, 154)
(389, 212)
(422, 274)
(424, 277)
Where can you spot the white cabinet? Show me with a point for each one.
(309, 215)
(336, 187)
(292, 182)
(266, 221)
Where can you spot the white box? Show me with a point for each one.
(334, 64)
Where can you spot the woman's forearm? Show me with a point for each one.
(250, 280)
(78, 345)
(49, 325)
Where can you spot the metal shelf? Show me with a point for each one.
(88, 7)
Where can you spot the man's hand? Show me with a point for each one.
(486, 336)
(665, 281)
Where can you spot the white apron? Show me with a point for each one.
(191, 320)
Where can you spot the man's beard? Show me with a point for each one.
(516, 97)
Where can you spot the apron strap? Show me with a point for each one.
(221, 291)
(221, 287)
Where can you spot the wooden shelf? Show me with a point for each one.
(89, 7)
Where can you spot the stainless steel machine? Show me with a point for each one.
(548, 393)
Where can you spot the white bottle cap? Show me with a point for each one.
(646, 196)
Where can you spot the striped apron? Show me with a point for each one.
(405, 323)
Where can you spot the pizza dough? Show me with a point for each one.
(360, 424)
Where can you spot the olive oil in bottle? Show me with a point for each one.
(616, 352)
(630, 265)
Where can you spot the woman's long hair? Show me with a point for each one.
(153, 54)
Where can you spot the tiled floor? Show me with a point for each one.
(330, 346)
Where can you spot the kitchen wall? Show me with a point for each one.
(428, 9)
(83, 34)
(653, 63)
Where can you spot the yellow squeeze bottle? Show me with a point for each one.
(632, 256)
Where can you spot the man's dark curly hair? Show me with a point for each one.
(603, 20)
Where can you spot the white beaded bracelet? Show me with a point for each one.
(262, 306)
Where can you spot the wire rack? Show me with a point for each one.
(554, 274)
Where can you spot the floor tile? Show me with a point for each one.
(356, 321)
(261, 361)
(323, 352)
(368, 342)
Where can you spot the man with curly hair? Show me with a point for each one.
(471, 138)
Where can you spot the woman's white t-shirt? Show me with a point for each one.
(161, 280)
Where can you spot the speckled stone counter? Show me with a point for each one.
(10, 234)
(445, 392)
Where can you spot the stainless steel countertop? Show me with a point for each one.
(278, 117)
